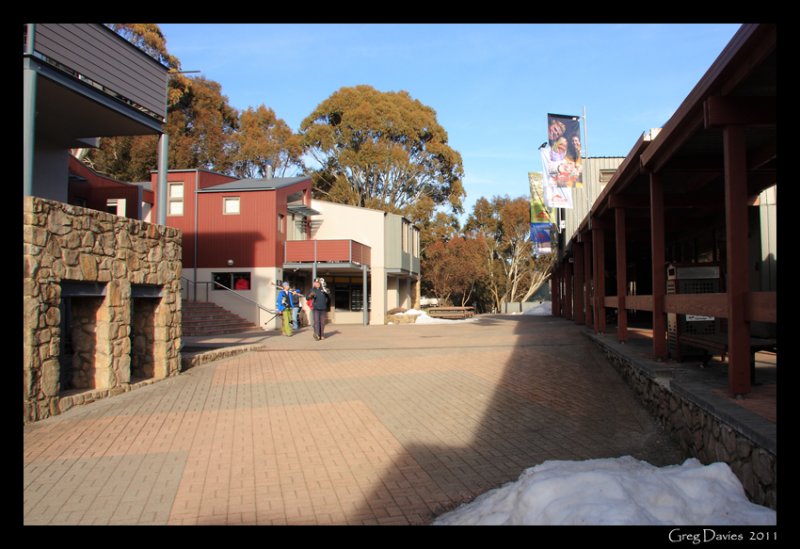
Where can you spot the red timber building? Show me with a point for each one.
(234, 234)
(93, 190)
(675, 234)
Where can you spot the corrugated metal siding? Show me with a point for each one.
(248, 238)
(583, 198)
(98, 197)
(94, 51)
(333, 250)
(299, 251)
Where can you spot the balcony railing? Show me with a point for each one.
(326, 251)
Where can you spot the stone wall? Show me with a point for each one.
(699, 429)
(69, 243)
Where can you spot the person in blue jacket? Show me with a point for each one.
(286, 301)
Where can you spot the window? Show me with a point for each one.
(116, 206)
(230, 205)
(281, 223)
(404, 230)
(348, 294)
(605, 176)
(233, 281)
(175, 196)
(415, 233)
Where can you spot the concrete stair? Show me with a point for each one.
(205, 318)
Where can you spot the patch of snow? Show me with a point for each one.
(622, 491)
(545, 308)
(425, 318)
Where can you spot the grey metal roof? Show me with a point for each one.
(255, 184)
(146, 185)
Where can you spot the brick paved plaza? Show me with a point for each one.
(374, 425)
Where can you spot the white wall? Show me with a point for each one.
(392, 292)
(342, 222)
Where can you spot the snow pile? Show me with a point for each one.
(425, 318)
(623, 491)
(545, 308)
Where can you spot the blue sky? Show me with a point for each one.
(490, 85)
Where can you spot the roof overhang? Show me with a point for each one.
(69, 112)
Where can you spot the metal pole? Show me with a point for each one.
(163, 150)
(365, 299)
(28, 114)
(196, 228)
(314, 268)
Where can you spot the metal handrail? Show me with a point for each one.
(256, 303)
(194, 285)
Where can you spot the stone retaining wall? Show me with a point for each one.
(699, 429)
(69, 243)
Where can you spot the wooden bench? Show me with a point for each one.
(718, 345)
(451, 313)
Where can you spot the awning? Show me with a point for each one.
(301, 209)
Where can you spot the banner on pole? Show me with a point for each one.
(540, 249)
(561, 157)
(539, 213)
(540, 232)
(558, 197)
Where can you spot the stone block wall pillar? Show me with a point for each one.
(64, 243)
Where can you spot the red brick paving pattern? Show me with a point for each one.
(374, 425)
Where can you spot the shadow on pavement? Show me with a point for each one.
(557, 399)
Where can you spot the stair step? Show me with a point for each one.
(206, 318)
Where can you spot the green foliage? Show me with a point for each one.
(383, 150)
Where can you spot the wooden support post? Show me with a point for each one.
(659, 265)
(554, 289)
(588, 255)
(580, 314)
(735, 149)
(622, 274)
(598, 239)
(568, 314)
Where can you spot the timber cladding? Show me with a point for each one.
(101, 297)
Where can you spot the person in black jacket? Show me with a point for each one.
(318, 298)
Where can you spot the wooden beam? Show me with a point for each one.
(715, 305)
(588, 265)
(622, 273)
(554, 291)
(568, 291)
(719, 112)
(580, 313)
(735, 146)
(599, 240)
(762, 306)
(659, 265)
(691, 200)
(611, 301)
(639, 302)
